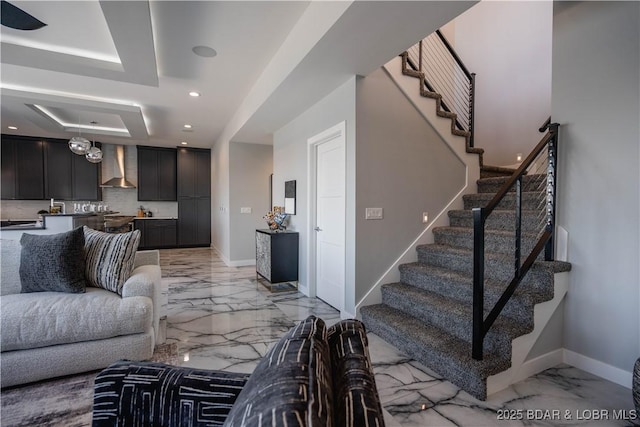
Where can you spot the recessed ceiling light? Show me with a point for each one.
(194, 94)
(204, 51)
(184, 143)
(187, 126)
(12, 127)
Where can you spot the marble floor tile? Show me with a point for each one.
(221, 317)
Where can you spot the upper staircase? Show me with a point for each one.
(450, 310)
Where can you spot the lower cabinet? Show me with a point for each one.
(157, 233)
(194, 221)
(277, 255)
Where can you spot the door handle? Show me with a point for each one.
(318, 229)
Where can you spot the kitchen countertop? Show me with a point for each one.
(72, 214)
(156, 217)
(32, 226)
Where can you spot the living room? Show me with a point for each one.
(260, 104)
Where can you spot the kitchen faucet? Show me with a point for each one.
(59, 204)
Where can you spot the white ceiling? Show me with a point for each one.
(129, 65)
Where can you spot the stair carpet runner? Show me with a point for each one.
(428, 314)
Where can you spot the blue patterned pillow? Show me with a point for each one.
(109, 258)
(292, 384)
(53, 262)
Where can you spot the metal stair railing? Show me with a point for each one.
(445, 74)
(540, 170)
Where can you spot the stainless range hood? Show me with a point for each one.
(118, 165)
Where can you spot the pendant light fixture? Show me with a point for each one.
(78, 144)
(94, 154)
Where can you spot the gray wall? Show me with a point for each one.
(290, 163)
(220, 224)
(508, 45)
(595, 98)
(250, 168)
(402, 166)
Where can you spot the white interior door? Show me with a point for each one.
(330, 220)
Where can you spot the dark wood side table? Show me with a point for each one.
(277, 256)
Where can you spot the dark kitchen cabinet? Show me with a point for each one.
(157, 174)
(194, 222)
(86, 177)
(45, 168)
(69, 176)
(157, 233)
(194, 172)
(58, 176)
(23, 168)
(194, 197)
(8, 167)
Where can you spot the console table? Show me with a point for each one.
(277, 255)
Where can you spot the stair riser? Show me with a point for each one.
(497, 221)
(536, 183)
(460, 326)
(534, 202)
(464, 292)
(492, 243)
(498, 270)
(448, 367)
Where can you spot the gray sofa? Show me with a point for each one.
(51, 334)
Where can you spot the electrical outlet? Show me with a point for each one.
(373, 213)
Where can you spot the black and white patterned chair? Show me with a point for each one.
(313, 376)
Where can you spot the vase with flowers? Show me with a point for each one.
(276, 219)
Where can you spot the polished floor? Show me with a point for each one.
(222, 318)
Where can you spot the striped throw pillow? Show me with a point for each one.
(109, 258)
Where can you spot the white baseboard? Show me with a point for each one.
(596, 367)
(346, 315)
(241, 263)
(229, 263)
(527, 369)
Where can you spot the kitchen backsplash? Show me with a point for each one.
(118, 199)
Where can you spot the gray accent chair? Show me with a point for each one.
(52, 334)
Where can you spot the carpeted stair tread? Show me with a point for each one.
(455, 317)
(530, 200)
(498, 241)
(459, 286)
(535, 182)
(500, 219)
(445, 354)
(497, 266)
(488, 171)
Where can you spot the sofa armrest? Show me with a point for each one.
(146, 280)
(183, 396)
(151, 257)
(355, 393)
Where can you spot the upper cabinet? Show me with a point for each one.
(39, 169)
(194, 179)
(69, 176)
(22, 168)
(194, 197)
(157, 175)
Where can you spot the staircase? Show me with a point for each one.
(428, 314)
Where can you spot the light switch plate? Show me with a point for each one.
(245, 210)
(373, 213)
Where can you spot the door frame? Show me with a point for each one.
(337, 131)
